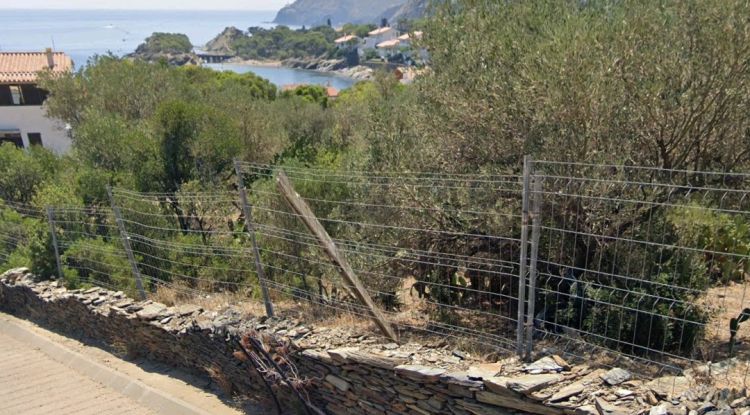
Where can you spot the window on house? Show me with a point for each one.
(15, 94)
(11, 137)
(35, 139)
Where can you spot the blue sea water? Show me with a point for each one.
(287, 76)
(85, 33)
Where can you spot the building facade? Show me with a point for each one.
(380, 35)
(23, 121)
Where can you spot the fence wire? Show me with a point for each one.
(587, 260)
(649, 263)
(438, 253)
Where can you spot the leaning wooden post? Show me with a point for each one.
(250, 229)
(307, 216)
(126, 245)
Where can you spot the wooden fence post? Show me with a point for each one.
(250, 229)
(126, 245)
(307, 216)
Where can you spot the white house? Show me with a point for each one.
(377, 36)
(22, 115)
(406, 39)
(388, 48)
(346, 42)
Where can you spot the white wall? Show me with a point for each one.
(31, 119)
(371, 41)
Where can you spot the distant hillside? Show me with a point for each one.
(224, 42)
(412, 9)
(317, 12)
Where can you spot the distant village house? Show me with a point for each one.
(346, 42)
(378, 36)
(22, 115)
(387, 43)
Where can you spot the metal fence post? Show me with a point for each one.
(250, 229)
(536, 207)
(53, 234)
(524, 254)
(126, 244)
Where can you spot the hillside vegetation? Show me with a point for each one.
(281, 42)
(165, 43)
(225, 41)
(318, 12)
(173, 48)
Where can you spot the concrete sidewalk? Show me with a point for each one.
(33, 383)
(43, 373)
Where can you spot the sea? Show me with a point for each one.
(83, 34)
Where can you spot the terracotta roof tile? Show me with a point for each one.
(332, 92)
(388, 44)
(380, 30)
(22, 67)
(346, 38)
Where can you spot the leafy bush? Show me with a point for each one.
(281, 42)
(725, 239)
(165, 43)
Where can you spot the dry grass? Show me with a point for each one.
(172, 296)
(414, 321)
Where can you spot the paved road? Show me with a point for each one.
(32, 383)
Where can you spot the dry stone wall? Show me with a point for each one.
(370, 378)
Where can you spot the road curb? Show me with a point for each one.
(147, 396)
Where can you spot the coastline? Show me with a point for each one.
(269, 63)
(357, 73)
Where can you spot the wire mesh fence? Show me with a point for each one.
(17, 230)
(651, 263)
(644, 263)
(439, 253)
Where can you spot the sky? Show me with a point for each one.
(146, 4)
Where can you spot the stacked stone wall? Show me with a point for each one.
(369, 378)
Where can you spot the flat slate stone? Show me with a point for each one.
(339, 383)
(505, 401)
(605, 408)
(530, 383)
(484, 370)
(499, 385)
(616, 376)
(342, 354)
(151, 311)
(459, 378)
(317, 355)
(420, 373)
(183, 310)
(586, 410)
(544, 365)
(383, 362)
(568, 391)
(669, 386)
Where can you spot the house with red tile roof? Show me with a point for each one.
(377, 36)
(346, 42)
(23, 121)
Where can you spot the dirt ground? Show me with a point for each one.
(725, 303)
